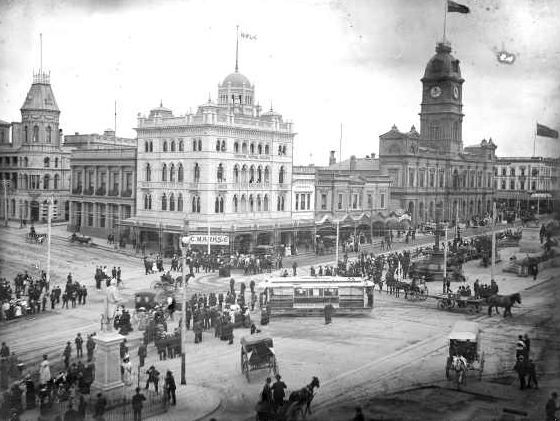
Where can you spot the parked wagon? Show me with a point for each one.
(81, 239)
(257, 352)
(36, 238)
(464, 342)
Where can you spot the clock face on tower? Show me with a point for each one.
(435, 91)
(455, 92)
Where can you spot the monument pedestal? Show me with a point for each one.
(107, 364)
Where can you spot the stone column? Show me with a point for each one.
(108, 181)
(96, 182)
(83, 216)
(121, 181)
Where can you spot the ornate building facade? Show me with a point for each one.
(433, 176)
(33, 158)
(225, 169)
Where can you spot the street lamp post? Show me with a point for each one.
(184, 315)
(49, 224)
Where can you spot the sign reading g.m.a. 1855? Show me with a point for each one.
(215, 240)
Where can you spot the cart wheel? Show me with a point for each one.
(441, 305)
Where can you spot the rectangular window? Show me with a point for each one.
(302, 207)
(421, 178)
(340, 201)
(432, 178)
(308, 201)
(441, 179)
(382, 202)
(324, 201)
(354, 201)
(370, 201)
(522, 185)
(90, 214)
(512, 185)
(533, 185)
(410, 177)
(102, 215)
(297, 201)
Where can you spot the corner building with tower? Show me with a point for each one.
(225, 170)
(433, 176)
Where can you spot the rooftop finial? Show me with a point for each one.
(237, 49)
(209, 98)
(160, 103)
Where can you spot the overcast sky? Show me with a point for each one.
(318, 63)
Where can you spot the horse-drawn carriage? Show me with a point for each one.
(35, 237)
(451, 301)
(257, 352)
(80, 239)
(464, 352)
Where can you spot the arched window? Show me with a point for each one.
(47, 162)
(265, 202)
(148, 172)
(252, 174)
(49, 134)
(259, 203)
(260, 149)
(180, 172)
(244, 148)
(218, 145)
(284, 150)
(266, 149)
(223, 145)
(278, 203)
(281, 175)
(196, 172)
(165, 146)
(26, 181)
(266, 174)
(236, 173)
(252, 148)
(251, 203)
(282, 203)
(25, 162)
(151, 150)
(172, 202)
(56, 162)
(199, 146)
(46, 181)
(180, 202)
(455, 179)
(194, 143)
(217, 205)
(194, 204)
(259, 174)
(25, 134)
(164, 172)
(198, 204)
(172, 146)
(163, 202)
(435, 132)
(56, 180)
(146, 146)
(149, 201)
(244, 174)
(35, 133)
(220, 172)
(146, 201)
(235, 204)
(221, 205)
(172, 173)
(236, 147)
(181, 146)
(243, 203)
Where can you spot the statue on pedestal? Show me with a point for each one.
(112, 299)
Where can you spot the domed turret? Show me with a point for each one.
(443, 64)
(237, 80)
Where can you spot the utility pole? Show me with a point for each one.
(337, 234)
(49, 219)
(493, 265)
(445, 254)
(184, 315)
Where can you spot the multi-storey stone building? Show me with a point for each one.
(433, 176)
(526, 184)
(103, 183)
(33, 158)
(225, 169)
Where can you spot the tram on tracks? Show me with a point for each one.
(309, 295)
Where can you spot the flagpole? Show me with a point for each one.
(444, 19)
(534, 138)
(236, 48)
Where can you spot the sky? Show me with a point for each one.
(323, 65)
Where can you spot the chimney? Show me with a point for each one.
(352, 162)
(332, 159)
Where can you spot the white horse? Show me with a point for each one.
(459, 365)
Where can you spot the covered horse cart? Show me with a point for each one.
(257, 352)
(464, 341)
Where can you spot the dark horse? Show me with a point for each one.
(505, 301)
(303, 397)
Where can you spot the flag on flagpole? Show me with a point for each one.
(456, 7)
(251, 37)
(544, 131)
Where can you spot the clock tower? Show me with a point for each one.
(441, 116)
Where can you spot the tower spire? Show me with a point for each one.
(236, 49)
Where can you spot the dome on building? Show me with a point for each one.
(443, 64)
(160, 111)
(237, 80)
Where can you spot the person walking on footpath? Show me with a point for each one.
(79, 342)
(521, 369)
(170, 388)
(153, 377)
(67, 353)
(532, 375)
(551, 407)
(138, 404)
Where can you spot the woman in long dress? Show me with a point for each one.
(127, 371)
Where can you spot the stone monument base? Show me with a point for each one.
(107, 365)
